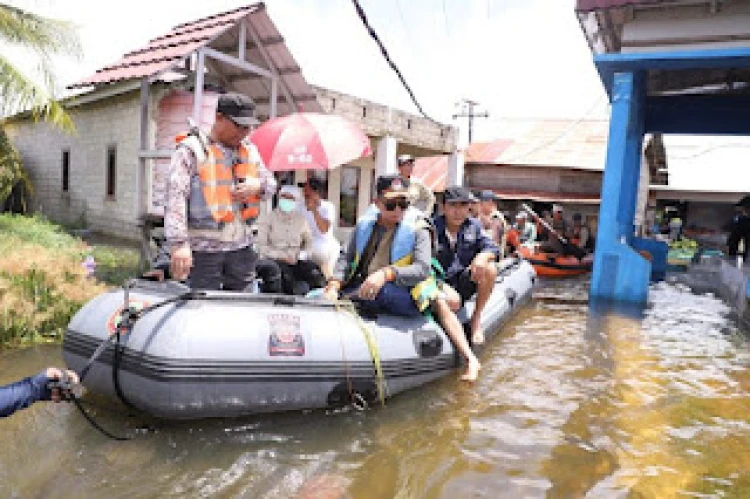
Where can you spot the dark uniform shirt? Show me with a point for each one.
(470, 241)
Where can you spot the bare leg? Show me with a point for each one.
(484, 290)
(455, 332)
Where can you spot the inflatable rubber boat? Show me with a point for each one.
(552, 265)
(226, 354)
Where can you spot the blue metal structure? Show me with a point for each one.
(622, 269)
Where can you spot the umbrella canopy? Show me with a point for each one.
(309, 141)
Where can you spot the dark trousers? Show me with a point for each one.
(227, 270)
(740, 231)
(269, 272)
(301, 277)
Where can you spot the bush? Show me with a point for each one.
(42, 281)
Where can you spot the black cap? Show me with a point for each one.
(457, 195)
(314, 183)
(487, 195)
(405, 158)
(392, 184)
(238, 108)
(577, 216)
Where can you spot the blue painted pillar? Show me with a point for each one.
(620, 272)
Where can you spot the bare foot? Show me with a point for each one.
(472, 370)
(477, 336)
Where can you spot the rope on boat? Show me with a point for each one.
(372, 345)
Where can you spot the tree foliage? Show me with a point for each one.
(42, 38)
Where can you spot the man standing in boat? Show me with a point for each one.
(215, 187)
(467, 255)
(387, 266)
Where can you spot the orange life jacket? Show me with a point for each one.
(217, 179)
(211, 203)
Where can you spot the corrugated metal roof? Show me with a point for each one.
(559, 143)
(432, 171)
(586, 5)
(167, 51)
(487, 152)
(580, 145)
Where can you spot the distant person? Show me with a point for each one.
(739, 231)
(492, 220)
(675, 228)
(422, 197)
(526, 230)
(214, 191)
(552, 243)
(320, 215)
(467, 256)
(580, 234)
(284, 236)
(474, 204)
(23, 393)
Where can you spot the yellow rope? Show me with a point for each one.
(348, 306)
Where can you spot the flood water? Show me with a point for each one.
(568, 405)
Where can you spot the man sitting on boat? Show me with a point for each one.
(492, 220)
(580, 234)
(467, 255)
(387, 266)
(320, 214)
(284, 237)
(526, 230)
(552, 243)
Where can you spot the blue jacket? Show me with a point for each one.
(470, 242)
(21, 394)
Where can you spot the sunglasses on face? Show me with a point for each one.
(461, 204)
(391, 204)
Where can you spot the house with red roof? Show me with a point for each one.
(110, 174)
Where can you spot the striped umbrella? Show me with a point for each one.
(309, 141)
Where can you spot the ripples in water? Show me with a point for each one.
(569, 404)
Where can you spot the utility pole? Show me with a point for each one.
(467, 111)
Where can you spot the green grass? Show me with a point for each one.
(43, 282)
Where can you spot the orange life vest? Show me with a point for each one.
(211, 203)
(217, 179)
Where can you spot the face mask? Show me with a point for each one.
(287, 205)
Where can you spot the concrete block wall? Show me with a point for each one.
(378, 120)
(99, 125)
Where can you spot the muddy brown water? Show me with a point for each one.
(570, 404)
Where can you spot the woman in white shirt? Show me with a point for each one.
(321, 215)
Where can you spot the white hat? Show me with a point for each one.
(522, 214)
(556, 207)
(290, 190)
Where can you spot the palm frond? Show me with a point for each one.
(43, 35)
(21, 93)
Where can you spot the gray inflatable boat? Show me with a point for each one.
(223, 354)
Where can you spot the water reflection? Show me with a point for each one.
(570, 403)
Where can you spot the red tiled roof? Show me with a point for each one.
(166, 51)
(586, 5)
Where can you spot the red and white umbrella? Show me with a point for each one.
(309, 141)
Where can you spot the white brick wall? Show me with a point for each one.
(114, 121)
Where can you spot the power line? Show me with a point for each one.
(387, 57)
